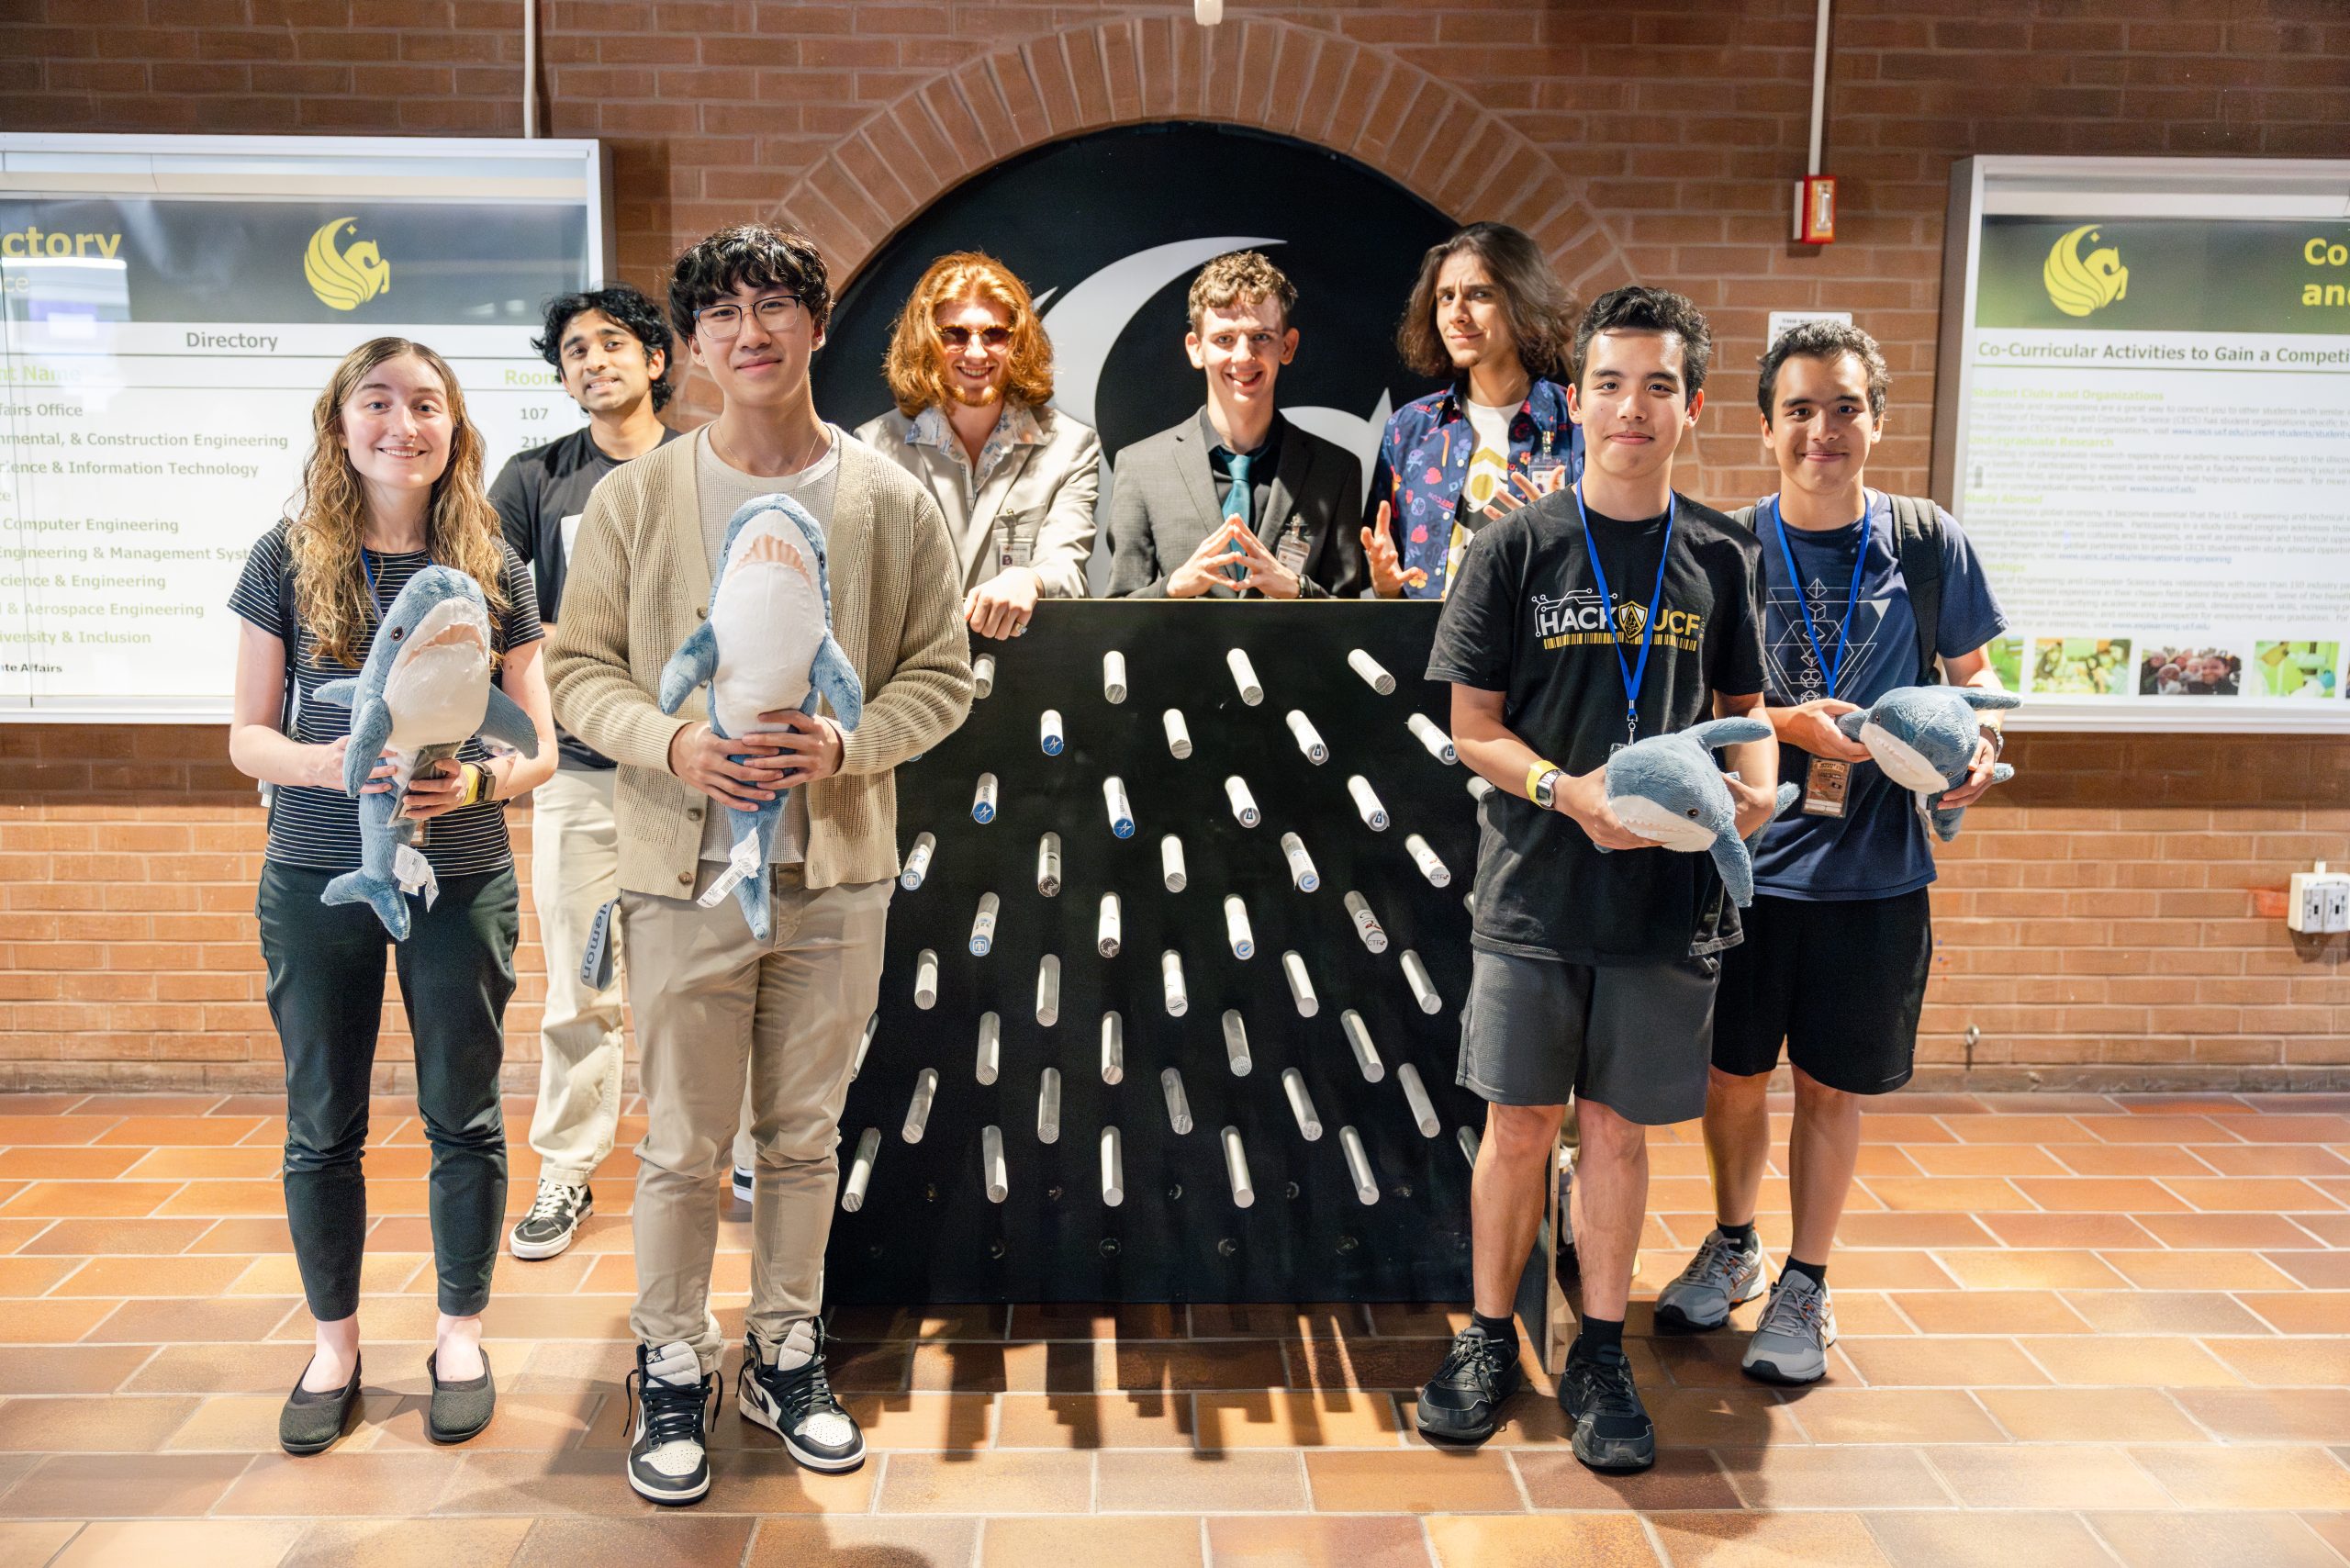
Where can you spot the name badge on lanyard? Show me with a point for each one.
(1828, 780)
(1293, 550)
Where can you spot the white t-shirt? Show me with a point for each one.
(721, 490)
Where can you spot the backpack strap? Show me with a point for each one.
(1918, 539)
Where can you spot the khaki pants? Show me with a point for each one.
(574, 869)
(709, 999)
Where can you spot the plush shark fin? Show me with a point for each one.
(1946, 819)
(836, 679)
(504, 722)
(1974, 697)
(370, 728)
(341, 693)
(692, 665)
(1730, 732)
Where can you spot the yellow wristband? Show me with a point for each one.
(480, 785)
(1535, 773)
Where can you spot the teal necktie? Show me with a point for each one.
(1238, 502)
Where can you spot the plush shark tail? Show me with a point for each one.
(1946, 819)
(381, 893)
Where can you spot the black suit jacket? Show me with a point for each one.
(1163, 504)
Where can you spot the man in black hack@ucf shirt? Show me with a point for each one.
(1594, 973)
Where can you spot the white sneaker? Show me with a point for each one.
(553, 1222)
(786, 1389)
(745, 1183)
(668, 1457)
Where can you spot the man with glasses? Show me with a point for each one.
(972, 373)
(710, 1000)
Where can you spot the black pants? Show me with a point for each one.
(326, 994)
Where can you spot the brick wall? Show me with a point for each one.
(2099, 921)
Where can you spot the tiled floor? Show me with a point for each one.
(2077, 1330)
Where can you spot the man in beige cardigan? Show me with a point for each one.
(710, 1001)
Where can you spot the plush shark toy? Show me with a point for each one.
(767, 645)
(424, 691)
(1924, 736)
(1669, 789)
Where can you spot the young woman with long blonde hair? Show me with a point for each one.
(394, 483)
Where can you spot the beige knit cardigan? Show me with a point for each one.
(639, 584)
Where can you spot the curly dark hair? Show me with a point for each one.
(759, 254)
(1827, 340)
(636, 314)
(1634, 308)
(1539, 310)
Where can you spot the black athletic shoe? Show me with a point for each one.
(1462, 1404)
(786, 1389)
(1612, 1429)
(553, 1221)
(745, 1183)
(668, 1458)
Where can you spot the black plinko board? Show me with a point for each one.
(927, 1229)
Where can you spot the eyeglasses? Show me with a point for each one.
(726, 320)
(959, 338)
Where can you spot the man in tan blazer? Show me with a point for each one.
(710, 1001)
(972, 373)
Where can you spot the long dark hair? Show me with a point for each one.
(1540, 312)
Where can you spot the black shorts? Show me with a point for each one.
(1840, 982)
(1631, 1037)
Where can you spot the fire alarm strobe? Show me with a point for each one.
(1816, 210)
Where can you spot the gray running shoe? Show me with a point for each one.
(1790, 1345)
(1721, 1276)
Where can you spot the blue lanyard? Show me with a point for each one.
(1852, 596)
(1634, 674)
(367, 568)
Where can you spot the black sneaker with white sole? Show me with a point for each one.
(1462, 1403)
(1611, 1427)
(786, 1389)
(745, 1183)
(553, 1222)
(671, 1400)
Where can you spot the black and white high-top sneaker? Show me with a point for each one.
(668, 1458)
(553, 1221)
(785, 1389)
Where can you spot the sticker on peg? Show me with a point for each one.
(1367, 806)
(983, 926)
(1107, 934)
(1048, 864)
(1423, 856)
(1236, 928)
(983, 799)
(1301, 865)
(1244, 804)
(1048, 732)
(1122, 815)
(1367, 926)
(918, 861)
(1438, 744)
(1309, 739)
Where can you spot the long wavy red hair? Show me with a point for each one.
(916, 362)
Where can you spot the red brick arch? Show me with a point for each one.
(1426, 134)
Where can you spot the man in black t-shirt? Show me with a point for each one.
(1604, 613)
(611, 348)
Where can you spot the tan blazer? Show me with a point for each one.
(640, 583)
(1043, 493)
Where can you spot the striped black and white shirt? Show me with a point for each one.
(319, 828)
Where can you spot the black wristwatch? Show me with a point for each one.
(1545, 792)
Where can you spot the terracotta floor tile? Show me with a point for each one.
(66, 1164)
(235, 1321)
(924, 1422)
(540, 1421)
(2317, 1271)
(1980, 1193)
(2125, 1159)
(1253, 1320)
(1120, 1421)
(967, 1322)
(2013, 1269)
(52, 1130)
(184, 1543)
(1279, 1419)
(556, 1318)
(1684, 1478)
(76, 1369)
(118, 1237)
(1544, 1540)
(24, 1277)
(2289, 1128)
(1893, 1415)
(90, 1200)
(2046, 1475)
(1989, 1311)
(1828, 1477)
(2301, 1312)
(1037, 1366)
(2104, 1194)
(1770, 1540)
(2164, 1312)
(673, 1540)
(251, 1236)
(1196, 1365)
(989, 1482)
(2333, 1529)
(249, 1368)
(1724, 1416)
(1422, 1320)
(142, 1485)
(1886, 1269)
(839, 1541)
(1943, 1362)
(2227, 1540)
(1913, 1229)
(2199, 1272)
(2260, 1415)
(2060, 1231)
(1166, 1542)
(52, 1321)
(1140, 1481)
(2287, 1362)
(34, 1540)
(576, 1481)
(238, 1423)
(2091, 1414)
(2160, 1129)
(2241, 1160)
(769, 1481)
(112, 1423)
(388, 1484)
(1968, 1540)
(2123, 1362)
(2022, 1129)
(2230, 1231)
(409, 1543)
(2250, 1476)
(182, 1131)
(1393, 1541)
(1420, 1480)
(1988, 1159)
(182, 1276)
(280, 1275)
(1077, 1320)
(2251, 1194)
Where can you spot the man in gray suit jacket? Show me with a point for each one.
(1235, 501)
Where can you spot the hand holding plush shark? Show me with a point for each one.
(767, 645)
(1669, 789)
(424, 691)
(1924, 738)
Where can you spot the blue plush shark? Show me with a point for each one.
(767, 645)
(1670, 789)
(1924, 737)
(424, 691)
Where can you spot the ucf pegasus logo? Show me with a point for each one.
(2080, 284)
(345, 279)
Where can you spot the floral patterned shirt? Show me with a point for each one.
(1424, 463)
(1016, 427)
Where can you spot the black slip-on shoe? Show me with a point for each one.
(312, 1419)
(460, 1410)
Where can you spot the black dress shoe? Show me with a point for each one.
(313, 1418)
(460, 1410)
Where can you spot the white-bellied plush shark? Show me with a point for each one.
(1668, 788)
(424, 691)
(768, 646)
(1924, 738)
